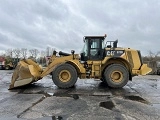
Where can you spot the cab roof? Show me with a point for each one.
(86, 37)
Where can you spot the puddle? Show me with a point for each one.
(43, 118)
(153, 79)
(9, 73)
(49, 94)
(50, 118)
(74, 96)
(46, 94)
(136, 98)
(28, 86)
(154, 85)
(57, 118)
(11, 118)
(108, 105)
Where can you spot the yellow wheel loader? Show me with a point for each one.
(98, 60)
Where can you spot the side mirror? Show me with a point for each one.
(72, 51)
(54, 52)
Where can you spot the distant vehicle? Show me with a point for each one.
(7, 63)
(2, 62)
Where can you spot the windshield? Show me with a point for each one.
(95, 44)
(85, 48)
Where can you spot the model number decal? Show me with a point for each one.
(114, 52)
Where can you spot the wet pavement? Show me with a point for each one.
(87, 100)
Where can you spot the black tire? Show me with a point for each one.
(116, 76)
(1, 67)
(7, 67)
(64, 76)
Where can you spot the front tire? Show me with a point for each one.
(64, 76)
(116, 76)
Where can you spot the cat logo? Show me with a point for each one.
(110, 53)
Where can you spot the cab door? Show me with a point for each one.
(95, 49)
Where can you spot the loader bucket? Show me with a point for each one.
(26, 72)
(145, 69)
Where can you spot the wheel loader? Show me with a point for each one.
(99, 60)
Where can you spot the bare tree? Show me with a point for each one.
(2, 54)
(43, 53)
(152, 59)
(153, 56)
(31, 51)
(9, 52)
(49, 51)
(17, 52)
(24, 52)
(34, 52)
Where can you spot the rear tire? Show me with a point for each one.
(64, 76)
(116, 76)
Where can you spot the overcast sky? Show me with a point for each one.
(61, 24)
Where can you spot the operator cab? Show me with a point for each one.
(93, 48)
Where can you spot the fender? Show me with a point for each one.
(78, 66)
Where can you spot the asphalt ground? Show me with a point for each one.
(87, 100)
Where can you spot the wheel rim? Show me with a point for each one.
(117, 76)
(65, 76)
